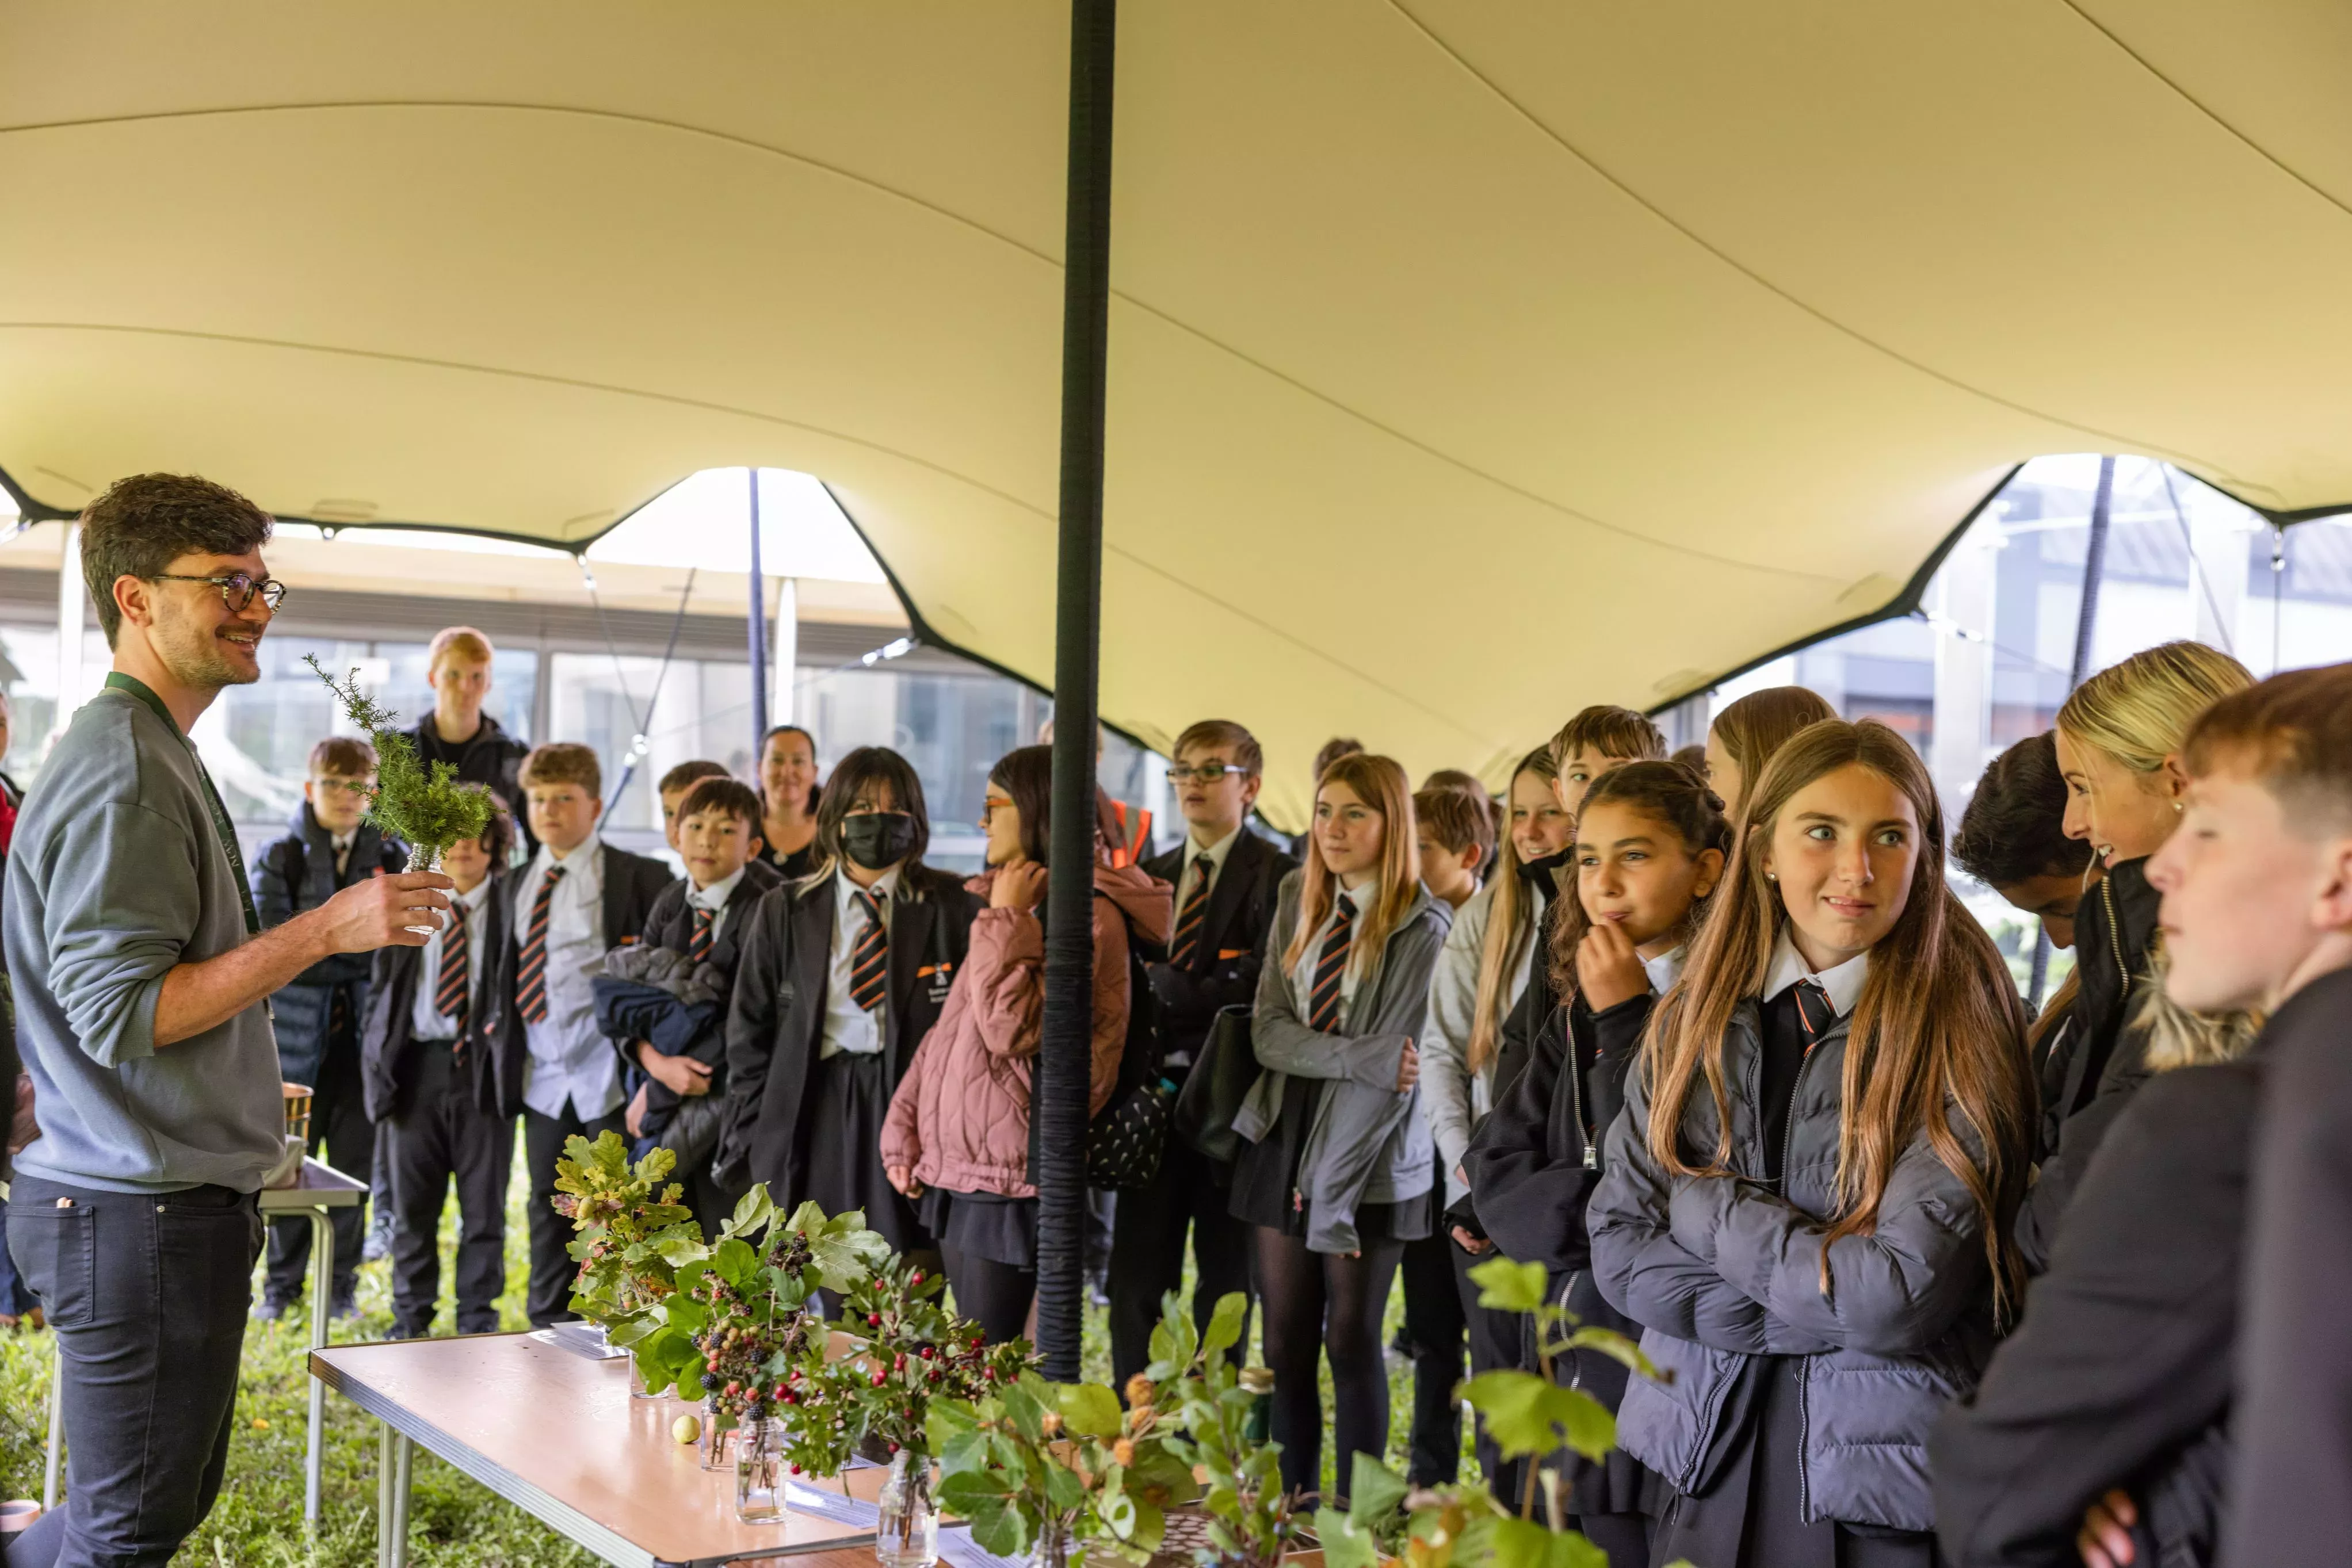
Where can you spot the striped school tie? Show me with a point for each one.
(1814, 1010)
(1331, 968)
(1187, 942)
(450, 991)
(697, 947)
(869, 961)
(530, 980)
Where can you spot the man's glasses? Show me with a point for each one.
(1207, 773)
(237, 589)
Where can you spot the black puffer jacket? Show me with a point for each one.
(1718, 1270)
(2096, 1063)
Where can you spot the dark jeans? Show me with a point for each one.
(147, 1296)
(1318, 1305)
(551, 1268)
(342, 1135)
(1147, 1254)
(444, 1133)
(997, 1296)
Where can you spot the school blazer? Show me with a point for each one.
(388, 1052)
(671, 926)
(1224, 968)
(630, 884)
(776, 1025)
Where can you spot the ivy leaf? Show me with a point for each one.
(1375, 1492)
(1088, 1409)
(1509, 1287)
(1346, 1543)
(1521, 1543)
(1527, 1413)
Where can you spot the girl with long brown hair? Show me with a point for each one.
(1336, 1170)
(1807, 1200)
(1649, 853)
(1746, 734)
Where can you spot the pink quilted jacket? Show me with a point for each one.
(960, 1117)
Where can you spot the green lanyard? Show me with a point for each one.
(221, 825)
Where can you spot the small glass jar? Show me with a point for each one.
(718, 1446)
(907, 1533)
(759, 1471)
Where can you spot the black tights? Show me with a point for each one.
(1318, 1305)
(995, 1295)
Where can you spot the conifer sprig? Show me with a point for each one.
(426, 810)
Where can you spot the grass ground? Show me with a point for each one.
(453, 1521)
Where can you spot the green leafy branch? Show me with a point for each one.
(428, 810)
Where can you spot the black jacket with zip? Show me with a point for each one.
(2097, 1063)
(1515, 1043)
(1232, 947)
(2120, 1374)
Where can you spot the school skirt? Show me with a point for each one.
(849, 1096)
(983, 1225)
(1265, 1178)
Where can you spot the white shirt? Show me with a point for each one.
(714, 898)
(425, 1019)
(342, 843)
(1302, 977)
(847, 1026)
(1188, 873)
(1843, 983)
(571, 1063)
(1664, 969)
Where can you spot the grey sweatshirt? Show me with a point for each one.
(116, 875)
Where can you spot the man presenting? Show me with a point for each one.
(143, 976)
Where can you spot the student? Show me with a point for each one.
(2119, 745)
(1455, 835)
(1224, 879)
(672, 790)
(1806, 1201)
(1333, 749)
(1748, 731)
(326, 849)
(688, 953)
(2013, 838)
(575, 898)
(424, 1059)
(1692, 757)
(1337, 1171)
(957, 1138)
(843, 974)
(788, 800)
(1597, 739)
(2113, 1396)
(1651, 842)
(2293, 742)
(458, 666)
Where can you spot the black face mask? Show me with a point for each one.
(877, 840)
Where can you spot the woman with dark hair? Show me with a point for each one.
(789, 800)
(843, 973)
(957, 1139)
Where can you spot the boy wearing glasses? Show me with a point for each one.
(1226, 878)
(326, 849)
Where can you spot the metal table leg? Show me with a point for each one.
(322, 1274)
(56, 1422)
(394, 1455)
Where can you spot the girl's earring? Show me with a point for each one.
(2179, 805)
(1771, 876)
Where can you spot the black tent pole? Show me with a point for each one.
(758, 635)
(2086, 620)
(1064, 1052)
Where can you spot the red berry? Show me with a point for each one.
(789, 1398)
(874, 1319)
(900, 1365)
(894, 1448)
(796, 1470)
(988, 1373)
(925, 1352)
(880, 1378)
(916, 1279)
(734, 1388)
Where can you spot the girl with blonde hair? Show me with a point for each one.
(1337, 1171)
(1807, 1200)
(2119, 738)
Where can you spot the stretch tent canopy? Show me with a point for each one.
(1469, 361)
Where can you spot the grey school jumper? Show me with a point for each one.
(118, 873)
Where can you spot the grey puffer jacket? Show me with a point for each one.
(1718, 1270)
(1369, 1143)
